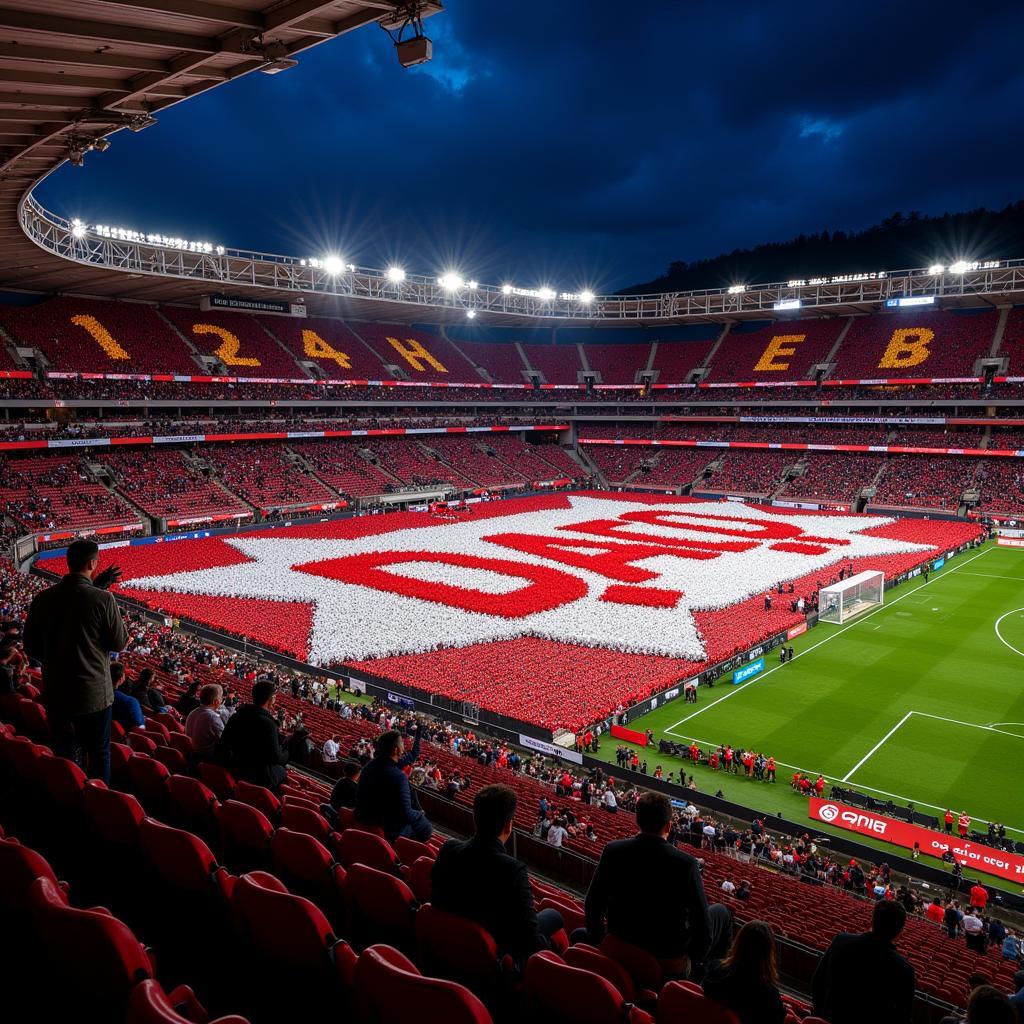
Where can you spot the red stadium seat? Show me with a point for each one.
(556, 991)
(679, 1001)
(246, 835)
(150, 1004)
(391, 986)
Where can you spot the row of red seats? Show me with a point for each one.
(265, 477)
(923, 482)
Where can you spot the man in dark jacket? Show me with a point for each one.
(251, 744)
(346, 788)
(72, 628)
(862, 977)
(477, 879)
(383, 798)
(685, 932)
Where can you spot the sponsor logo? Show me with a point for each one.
(748, 670)
(797, 630)
(829, 812)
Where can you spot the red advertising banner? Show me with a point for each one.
(794, 631)
(884, 449)
(1010, 542)
(620, 732)
(903, 833)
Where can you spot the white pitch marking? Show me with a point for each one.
(1000, 635)
(846, 777)
(763, 675)
(994, 576)
(971, 725)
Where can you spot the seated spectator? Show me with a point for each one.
(839, 988)
(685, 931)
(250, 744)
(300, 746)
(330, 749)
(987, 1005)
(1011, 946)
(126, 711)
(384, 797)
(935, 911)
(204, 724)
(188, 701)
(345, 789)
(746, 980)
(144, 691)
(743, 892)
(477, 879)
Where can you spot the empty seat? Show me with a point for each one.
(354, 846)
(246, 834)
(679, 1001)
(219, 779)
(309, 869)
(302, 819)
(150, 1004)
(559, 992)
(193, 804)
(64, 781)
(101, 960)
(259, 797)
(148, 781)
(383, 906)
(182, 859)
(115, 816)
(392, 988)
(457, 948)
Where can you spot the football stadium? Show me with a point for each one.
(379, 641)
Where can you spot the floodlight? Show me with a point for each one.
(960, 267)
(506, 289)
(77, 228)
(396, 275)
(586, 297)
(471, 285)
(936, 268)
(737, 289)
(470, 314)
(546, 294)
(333, 265)
(450, 282)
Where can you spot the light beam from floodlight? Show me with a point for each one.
(77, 229)
(586, 296)
(545, 294)
(333, 265)
(396, 275)
(470, 314)
(506, 289)
(450, 281)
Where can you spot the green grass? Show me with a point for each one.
(919, 700)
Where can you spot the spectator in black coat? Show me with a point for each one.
(250, 745)
(346, 788)
(477, 879)
(384, 798)
(862, 977)
(746, 981)
(685, 932)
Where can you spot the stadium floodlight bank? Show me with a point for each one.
(852, 597)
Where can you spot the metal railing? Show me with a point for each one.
(226, 268)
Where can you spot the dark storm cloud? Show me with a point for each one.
(577, 142)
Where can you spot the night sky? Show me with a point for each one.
(585, 144)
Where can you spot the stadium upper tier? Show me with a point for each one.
(69, 334)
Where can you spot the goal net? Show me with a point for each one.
(860, 593)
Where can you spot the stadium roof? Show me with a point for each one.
(73, 71)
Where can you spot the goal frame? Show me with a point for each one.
(849, 598)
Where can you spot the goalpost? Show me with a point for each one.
(858, 594)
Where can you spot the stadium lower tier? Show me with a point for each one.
(574, 604)
(280, 893)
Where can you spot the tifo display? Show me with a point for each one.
(513, 604)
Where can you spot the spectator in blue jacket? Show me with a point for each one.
(384, 798)
(127, 711)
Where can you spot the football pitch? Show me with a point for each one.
(919, 700)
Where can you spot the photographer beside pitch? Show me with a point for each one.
(72, 629)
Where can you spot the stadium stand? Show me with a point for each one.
(418, 354)
(922, 482)
(501, 360)
(339, 465)
(265, 477)
(558, 364)
(749, 472)
(330, 344)
(833, 476)
(407, 459)
(617, 364)
(58, 493)
(1002, 487)
(674, 360)
(781, 351)
(99, 336)
(237, 341)
(469, 458)
(914, 344)
(164, 484)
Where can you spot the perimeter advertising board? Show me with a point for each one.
(903, 833)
